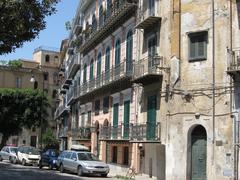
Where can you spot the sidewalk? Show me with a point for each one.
(113, 173)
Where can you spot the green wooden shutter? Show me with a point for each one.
(91, 70)
(151, 117)
(99, 65)
(107, 64)
(126, 119)
(129, 52)
(115, 119)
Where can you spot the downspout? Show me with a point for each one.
(213, 82)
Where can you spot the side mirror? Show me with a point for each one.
(75, 159)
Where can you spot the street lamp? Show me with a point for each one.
(33, 80)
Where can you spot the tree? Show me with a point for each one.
(21, 108)
(21, 21)
(49, 139)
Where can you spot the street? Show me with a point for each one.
(11, 172)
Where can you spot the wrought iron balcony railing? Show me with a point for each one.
(148, 67)
(121, 10)
(233, 60)
(145, 132)
(63, 132)
(120, 132)
(83, 133)
(123, 70)
(74, 65)
(132, 132)
(147, 17)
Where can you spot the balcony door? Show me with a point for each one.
(115, 120)
(152, 46)
(126, 119)
(129, 52)
(151, 117)
(107, 64)
(117, 58)
(151, 7)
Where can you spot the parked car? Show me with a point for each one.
(9, 153)
(28, 155)
(49, 158)
(82, 162)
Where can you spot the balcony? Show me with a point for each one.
(148, 70)
(148, 17)
(72, 94)
(121, 11)
(145, 132)
(82, 133)
(233, 60)
(119, 132)
(73, 66)
(63, 132)
(77, 29)
(115, 79)
(62, 109)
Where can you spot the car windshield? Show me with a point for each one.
(32, 151)
(13, 150)
(87, 157)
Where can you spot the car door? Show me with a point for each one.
(73, 162)
(67, 161)
(3, 153)
(46, 157)
(7, 153)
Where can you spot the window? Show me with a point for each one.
(85, 73)
(18, 82)
(45, 76)
(151, 5)
(109, 8)
(198, 46)
(117, 52)
(99, 59)
(129, 50)
(47, 58)
(94, 23)
(107, 64)
(74, 156)
(89, 117)
(91, 70)
(97, 107)
(105, 104)
(68, 155)
(82, 119)
(101, 16)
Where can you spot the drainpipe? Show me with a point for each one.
(213, 82)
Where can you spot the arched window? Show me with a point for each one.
(47, 58)
(99, 59)
(94, 23)
(117, 58)
(117, 53)
(129, 52)
(107, 64)
(56, 59)
(101, 16)
(85, 73)
(109, 8)
(91, 70)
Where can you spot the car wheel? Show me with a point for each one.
(1, 158)
(61, 168)
(104, 175)
(79, 171)
(24, 162)
(14, 159)
(50, 166)
(10, 160)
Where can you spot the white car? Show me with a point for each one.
(28, 155)
(9, 153)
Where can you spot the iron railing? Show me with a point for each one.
(81, 133)
(120, 132)
(118, 72)
(233, 60)
(63, 132)
(148, 66)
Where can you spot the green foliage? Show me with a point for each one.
(21, 108)
(49, 138)
(15, 63)
(68, 25)
(21, 21)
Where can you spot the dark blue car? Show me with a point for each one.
(49, 159)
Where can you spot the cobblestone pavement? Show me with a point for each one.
(18, 172)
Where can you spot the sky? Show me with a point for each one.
(51, 36)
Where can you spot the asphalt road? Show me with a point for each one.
(18, 172)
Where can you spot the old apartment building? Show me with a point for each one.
(44, 69)
(154, 85)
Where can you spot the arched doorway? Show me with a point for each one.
(198, 153)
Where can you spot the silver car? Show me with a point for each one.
(9, 153)
(82, 162)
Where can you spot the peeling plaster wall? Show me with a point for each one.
(196, 78)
